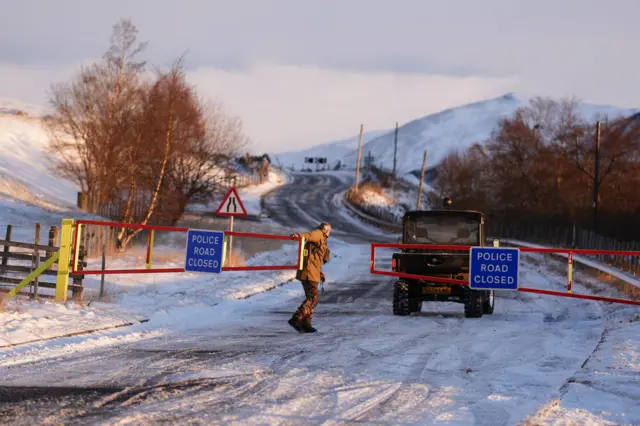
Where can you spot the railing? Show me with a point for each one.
(455, 248)
(152, 229)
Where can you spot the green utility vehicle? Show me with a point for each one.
(444, 227)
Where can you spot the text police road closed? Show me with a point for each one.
(494, 268)
(204, 251)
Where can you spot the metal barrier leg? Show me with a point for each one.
(64, 260)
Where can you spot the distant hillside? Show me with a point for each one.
(455, 128)
(333, 151)
(25, 166)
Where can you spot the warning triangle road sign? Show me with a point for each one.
(231, 205)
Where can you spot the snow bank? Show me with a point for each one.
(31, 321)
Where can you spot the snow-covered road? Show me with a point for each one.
(236, 361)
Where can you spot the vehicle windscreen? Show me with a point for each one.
(441, 230)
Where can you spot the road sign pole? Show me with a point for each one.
(230, 237)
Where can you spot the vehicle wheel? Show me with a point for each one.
(473, 304)
(487, 305)
(415, 305)
(401, 298)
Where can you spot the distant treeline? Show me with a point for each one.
(538, 166)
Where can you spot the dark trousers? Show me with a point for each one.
(305, 311)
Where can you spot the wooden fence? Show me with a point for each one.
(19, 259)
(569, 237)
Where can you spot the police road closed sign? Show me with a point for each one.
(494, 268)
(204, 251)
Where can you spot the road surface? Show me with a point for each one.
(311, 198)
(238, 362)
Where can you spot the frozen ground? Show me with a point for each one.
(28, 321)
(217, 349)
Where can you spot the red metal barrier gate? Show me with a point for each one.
(149, 252)
(569, 252)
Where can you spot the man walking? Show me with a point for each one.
(316, 253)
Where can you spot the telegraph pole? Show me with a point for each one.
(395, 150)
(424, 167)
(359, 155)
(596, 172)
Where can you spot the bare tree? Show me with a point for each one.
(92, 120)
(146, 143)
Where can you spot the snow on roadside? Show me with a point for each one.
(29, 321)
(604, 389)
(167, 301)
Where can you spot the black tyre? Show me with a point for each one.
(415, 305)
(489, 302)
(401, 299)
(473, 305)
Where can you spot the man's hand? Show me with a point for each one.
(322, 277)
(295, 236)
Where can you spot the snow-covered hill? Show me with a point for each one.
(439, 133)
(333, 151)
(455, 128)
(25, 166)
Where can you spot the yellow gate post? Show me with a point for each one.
(64, 260)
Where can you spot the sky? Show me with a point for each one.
(301, 73)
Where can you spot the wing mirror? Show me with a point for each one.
(496, 242)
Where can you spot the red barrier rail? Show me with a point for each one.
(570, 261)
(149, 251)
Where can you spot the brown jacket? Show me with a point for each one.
(316, 253)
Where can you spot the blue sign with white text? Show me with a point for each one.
(204, 251)
(493, 268)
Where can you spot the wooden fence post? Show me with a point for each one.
(77, 289)
(7, 238)
(53, 241)
(36, 262)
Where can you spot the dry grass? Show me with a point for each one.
(236, 258)
(623, 287)
(3, 302)
(367, 187)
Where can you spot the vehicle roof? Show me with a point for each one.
(443, 212)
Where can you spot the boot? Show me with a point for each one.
(295, 323)
(305, 324)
